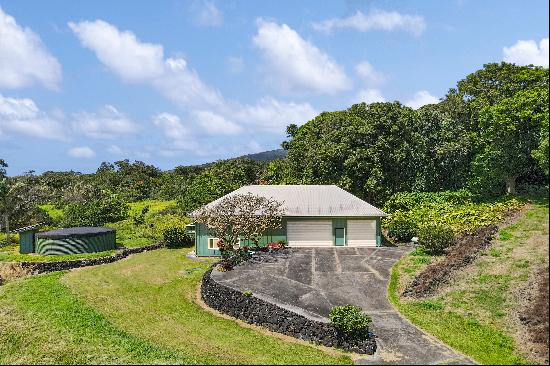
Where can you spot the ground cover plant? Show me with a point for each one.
(483, 310)
(94, 316)
(459, 211)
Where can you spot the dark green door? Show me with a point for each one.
(339, 237)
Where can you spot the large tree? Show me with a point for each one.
(511, 131)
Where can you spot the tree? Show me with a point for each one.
(18, 200)
(240, 215)
(217, 180)
(511, 130)
(3, 166)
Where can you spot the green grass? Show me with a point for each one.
(41, 321)
(139, 310)
(11, 253)
(473, 313)
(155, 206)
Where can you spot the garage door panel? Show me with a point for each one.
(361, 233)
(309, 233)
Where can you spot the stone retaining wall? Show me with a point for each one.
(257, 311)
(43, 267)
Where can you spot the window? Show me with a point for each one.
(213, 243)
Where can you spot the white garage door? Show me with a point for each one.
(311, 233)
(361, 233)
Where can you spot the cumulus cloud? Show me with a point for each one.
(176, 133)
(420, 99)
(22, 116)
(375, 20)
(273, 115)
(369, 96)
(81, 152)
(527, 53)
(207, 14)
(138, 62)
(178, 82)
(24, 60)
(295, 64)
(107, 123)
(215, 124)
(367, 72)
(122, 52)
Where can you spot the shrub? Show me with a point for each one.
(176, 237)
(282, 243)
(401, 227)
(95, 213)
(350, 319)
(248, 293)
(435, 238)
(274, 246)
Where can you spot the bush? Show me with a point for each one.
(350, 319)
(401, 227)
(95, 213)
(176, 237)
(435, 238)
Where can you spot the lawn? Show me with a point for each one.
(475, 313)
(139, 310)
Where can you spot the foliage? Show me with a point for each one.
(247, 293)
(435, 238)
(510, 131)
(350, 319)
(455, 210)
(378, 149)
(401, 227)
(240, 215)
(176, 237)
(217, 180)
(110, 208)
(18, 202)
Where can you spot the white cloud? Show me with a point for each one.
(181, 84)
(207, 14)
(22, 116)
(139, 62)
(420, 99)
(369, 96)
(178, 135)
(122, 52)
(214, 124)
(235, 64)
(273, 115)
(527, 53)
(81, 152)
(24, 60)
(295, 64)
(375, 20)
(367, 72)
(107, 123)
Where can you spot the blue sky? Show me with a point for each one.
(184, 82)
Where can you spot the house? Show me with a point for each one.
(314, 216)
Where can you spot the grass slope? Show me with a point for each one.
(11, 253)
(474, 313)
(138, 310)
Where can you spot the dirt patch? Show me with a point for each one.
(463, 252)
(533, 317)
(11, 271)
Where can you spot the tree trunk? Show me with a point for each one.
(511, 185)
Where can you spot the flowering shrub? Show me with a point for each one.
(274, 246)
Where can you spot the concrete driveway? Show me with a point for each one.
(313, 280)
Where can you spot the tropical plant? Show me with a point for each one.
(350, 319)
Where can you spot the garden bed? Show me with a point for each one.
(464, 251)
